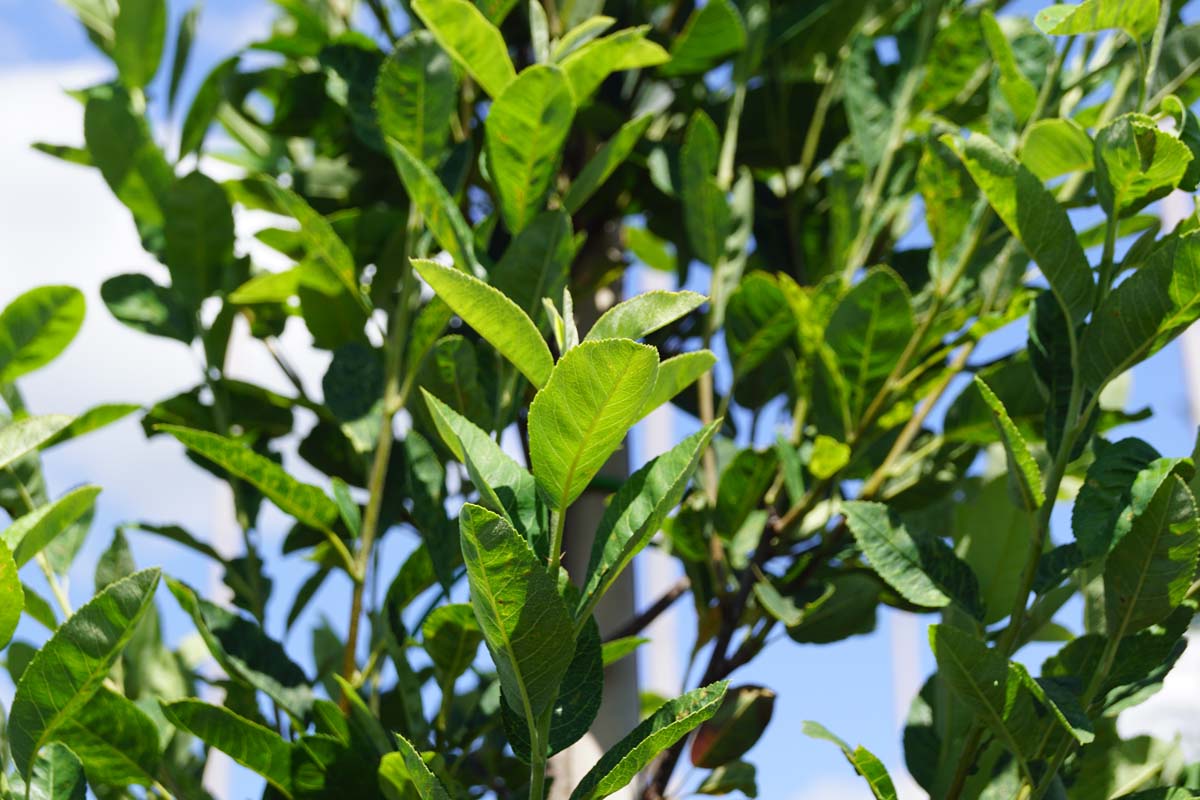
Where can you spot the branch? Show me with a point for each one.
(639, 623)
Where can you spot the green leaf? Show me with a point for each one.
(93, 419)
(588, 66)
(404, 776)
(471, 40)
(137, 301)
(737, 776)
(116, 741)
(1150, 569)
(758, 321)
(524, 135)
(12, 596)
(713, 32)
(616, 649)
(205, 106)
(416, 95)
(73, 665)
(1144, 312)
(706, 212)
(637, 511)
(993, 536)
(1035, 218)
(495, 317)
(139, 31)
(1136, 163)
(29, 434)
(536, 263)
(527, 626)
(30, 533)
(437, 207)
(305, 502)
(256, 748)
(57, 775)
(183, 49)
(122, 147)
(1135, 17)
(605, 162)
(451, 638)
(674, 720)
(581, 34)
(1099, 518)
(244, 651)
(924, 570)
(828, 457)
(676, 374)
(865, 762)
(1019, 92)
(580, 417)
(36, 327)
(1056, 147)
(868, 100)
(199, 235)
(1024, 475)
(644, 314)
(735, 728)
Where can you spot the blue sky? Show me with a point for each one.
(63, 226)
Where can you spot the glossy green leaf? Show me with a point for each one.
(139, 33)
(471, 40)
(305, 502)
(676, 374)
(605, 162)
(256, 748)
(495, 317)
(1136, 163)
(713, 32)
(30, 533)
(199, 235)
(1024, 475)
(73, 665)
(57, 775)
(437, 207)
(1135, 17)
(452, 638)
(29, 434)
(616, 649)
(116, 741)
(1143, 313)
(12, 596)
(1055, 147)
(674, 720)
(865, 762)
(137, 301)
(644, 314)
(637, 511)
(524, 135)
(1035, 218)
(580, 417)
(404, 775)
(527, 626)
(36, 327)
(923, 569)
(415, 95)
(588, 66)
(1150, 569)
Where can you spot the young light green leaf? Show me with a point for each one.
(57, 775)
(1150, 569)
(1035, 218)
(139, 32)
(605, 162)
(72, 666)
(415, 95)
(636, 513)
(828, 457)
(616, 649)
(865, 762)
(404, 775)
(713, 32)
(1135, 17)
(116, 741)
(674, 720)
(305, 502)
(256, 748)
(471, 40)
(12, 596)
(137, 301)
(36, 327)
(644, 314)
(525, 623)
(676, 374)
(1136, 163)
(451, 637)
(1018, 90)
(1024, 475)
(29, 434)
(924, 570)
(28, 534)
(524, 134)
(438, 208)
(495, 317)
(588, 66)
(199, 235)
(1055, 147)
(580, 417)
